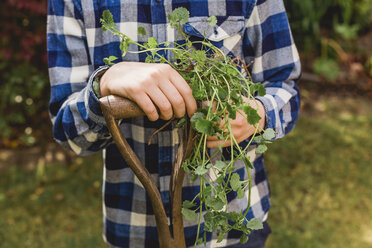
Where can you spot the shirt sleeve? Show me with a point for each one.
(268, 43)
(78, 123)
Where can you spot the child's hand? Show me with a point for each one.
(240, 127)
(150, 85)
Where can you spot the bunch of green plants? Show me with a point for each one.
(219, 81)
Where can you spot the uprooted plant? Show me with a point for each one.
(222, 82)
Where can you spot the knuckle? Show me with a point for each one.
(146, 83)
(178, 102)
(151, 112)
(166, 111)
(135, 90)
(188, 91)
(167, 108)
(180, 114)
(153, 74)
(165, 67)
(164, 105)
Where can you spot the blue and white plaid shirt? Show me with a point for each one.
(254, 30)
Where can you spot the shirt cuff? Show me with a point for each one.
(272, 115)
(92, 105)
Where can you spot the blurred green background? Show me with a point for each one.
(320, 174)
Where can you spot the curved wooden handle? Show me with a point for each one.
(119, 107)
(113, 108)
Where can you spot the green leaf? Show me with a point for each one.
(241, 193)
(207, 191)
(212, 21)
(124, 45)
(215, 203)
(220, 236)
(261, 91)
(189, 215)
(195, 117)
(259, 88)
(222, 196)
(261, 149)
(220, 164)
(258, 139)
(185, 166)
(269, 134)
(204, 126)
(200, 170)
(188, 204)
(178, 16)
(232, 71)
(234, 216)
(107, 17)
(231, 110)
(199, 56)
(222, 93)
(197, 92)
(149, 59)
(243, 239)
(247, 162)
(235, 182)
(193, 178)
(252, 115)
(108, 61)
(141, 31)
(181, 122)
(152, 43)
(210, 222)
(254, 224)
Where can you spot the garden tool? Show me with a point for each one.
(170, 236)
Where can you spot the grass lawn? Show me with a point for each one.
(320, 176)
(321, 179)
(63, 210)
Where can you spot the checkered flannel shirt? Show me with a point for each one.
(254, 30)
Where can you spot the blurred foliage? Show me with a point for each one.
(309, 18)
(368, 66)
(23, 71)
(333, 26)
(328, 68)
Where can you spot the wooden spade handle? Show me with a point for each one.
(113, 108)
(119, 107)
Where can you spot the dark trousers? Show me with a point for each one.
(256, 239)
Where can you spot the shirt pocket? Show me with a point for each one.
(226, 35)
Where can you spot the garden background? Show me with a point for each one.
(320, 174)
